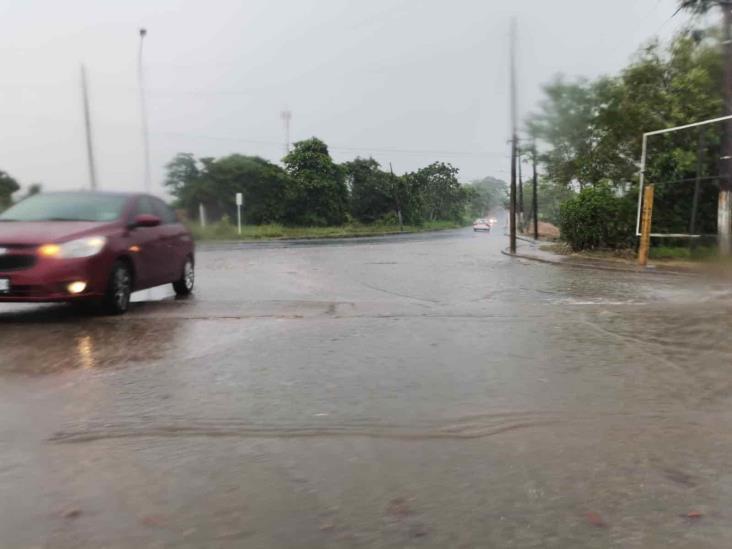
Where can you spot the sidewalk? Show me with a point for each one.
(530, 249)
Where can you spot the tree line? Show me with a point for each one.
(590, 131)
(310, 189)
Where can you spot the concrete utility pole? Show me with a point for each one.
(514, 140)
(724, 220)
(535, 193)
(87, 125)
(143, 112)
(286, 116)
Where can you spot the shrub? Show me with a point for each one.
(597, 218)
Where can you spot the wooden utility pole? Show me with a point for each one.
(521, 215)
(514, 140)
(646, 218)
(87, 125)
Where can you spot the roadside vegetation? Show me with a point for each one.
(589, 136)
(313, 196)
(225, 230)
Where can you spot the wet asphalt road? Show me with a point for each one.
(416, 392)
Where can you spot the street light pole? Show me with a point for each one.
(143, 112)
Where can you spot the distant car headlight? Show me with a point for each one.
(82, 247)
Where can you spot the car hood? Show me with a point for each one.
(26, 233)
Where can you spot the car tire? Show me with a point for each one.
(184, 285)
(119, 289)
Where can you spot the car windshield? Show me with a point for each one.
(67, 207)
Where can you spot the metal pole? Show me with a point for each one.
(514, 139)
(238, 218)
(641, 181)
(143, 112)
(87, 124)
(535, 193)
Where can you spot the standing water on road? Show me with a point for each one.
(428, 390)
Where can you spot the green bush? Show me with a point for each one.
(597, 218)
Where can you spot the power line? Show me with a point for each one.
(384, 150)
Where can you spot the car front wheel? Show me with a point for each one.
(119, 288)
(184, 285)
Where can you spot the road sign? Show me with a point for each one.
(239, 199)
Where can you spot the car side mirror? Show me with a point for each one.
(146, 220)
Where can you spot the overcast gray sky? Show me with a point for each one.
(407, 81)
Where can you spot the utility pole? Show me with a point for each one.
(724, 221)
(286, 116)
(143, 112)
(535, 193)
(89, 139)
(521, 218)
(514, 140)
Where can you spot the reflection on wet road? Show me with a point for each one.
(411, 392)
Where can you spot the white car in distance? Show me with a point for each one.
(481, 225)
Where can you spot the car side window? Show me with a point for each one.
(164, 212)
(144, 207)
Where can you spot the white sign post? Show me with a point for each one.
(239, 204)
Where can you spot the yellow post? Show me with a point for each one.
(646, 216)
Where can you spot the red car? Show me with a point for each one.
(92, 246)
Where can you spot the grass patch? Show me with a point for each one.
(658, 253)
(226, 231)
(677, 253)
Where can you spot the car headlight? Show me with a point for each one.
(82, 247)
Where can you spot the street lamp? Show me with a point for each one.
(143, 112)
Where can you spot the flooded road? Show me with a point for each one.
(409, 392)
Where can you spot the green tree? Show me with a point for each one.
(373, 191)
(700, 6)
(262, 184)
(597, 218)
(8, 186)
(590, 132)
(33, 189)
(215, 182)
(484, 195)
(182, 171)
(317, 194)
(440, 194)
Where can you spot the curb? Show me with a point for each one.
(596, 267)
